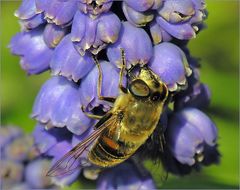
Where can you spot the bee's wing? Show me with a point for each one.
(71, 160)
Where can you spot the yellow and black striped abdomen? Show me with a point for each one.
(107, 152)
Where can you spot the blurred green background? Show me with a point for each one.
(218, 48)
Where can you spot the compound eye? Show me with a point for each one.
(157, 96)
(139, 88)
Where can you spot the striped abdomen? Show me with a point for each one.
(108, 152)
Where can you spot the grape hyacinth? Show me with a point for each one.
(64, 36)
(22, 166)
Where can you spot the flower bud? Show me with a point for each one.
(35, 174)
(89, 85)
(135, 17)
(136, 44)
(58, 104)
(24, 42)
(181, 19)
(125, 176)
(170, 63)
(29, 17)
(19, 149)
(57, 12)
(67, 62)
(94, 7)
(53, 34)
(188, 132)
(94, 34)
(11, 173)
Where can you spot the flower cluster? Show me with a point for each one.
(63, 36)
(21, 165)
(24, 167)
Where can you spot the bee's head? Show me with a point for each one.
(147, 85)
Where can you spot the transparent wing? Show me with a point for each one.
(71, 160)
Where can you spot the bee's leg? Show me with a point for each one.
(99, 87)
(162, 142)
(104, 118)
(92, 116)
(91, 173)
(123, 68)
(137, 162)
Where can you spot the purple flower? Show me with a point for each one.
(61, 36)
(125, 176)
(18, 170)
(158, 34)
(51, 137)
(94, 34)
(94, 7)
(188, 132)
(88, 87)
(196, 95)
(35, 174)
(58, 141)
(58, 104)
(136, 44)
(26, 10)
(139, 14)
(144, 5)
(181, 18)
(29, 16)
(174, 11)
(58, 151)
(135, 17)
(24, 42)
(171, 18)
(15, 146)
(94, 26)
(53, 34)
(20, 149)
(57, 11)
(66, 61)
(170, 63)
(11, 173)
(8, 134)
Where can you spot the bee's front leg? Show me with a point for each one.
(90, 115)
(99, 86)
(123, 68)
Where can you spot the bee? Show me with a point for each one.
(122, 130)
